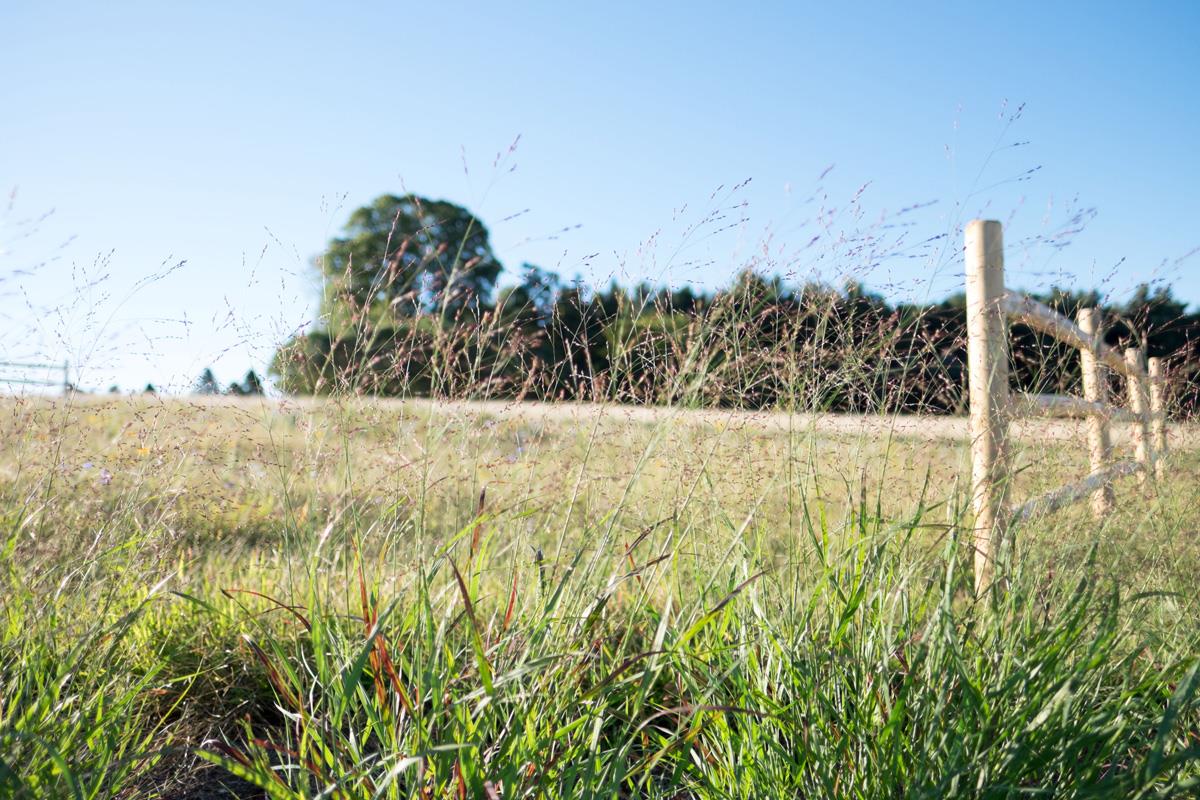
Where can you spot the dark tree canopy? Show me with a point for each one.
(207, 383)
(411, 309)
(403, 255)
(533, 298)
(250, 385)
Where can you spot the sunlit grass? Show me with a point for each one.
(379, 599)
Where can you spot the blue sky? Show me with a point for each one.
(236, 138)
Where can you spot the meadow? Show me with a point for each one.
(361, 598)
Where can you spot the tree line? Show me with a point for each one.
(411, 307)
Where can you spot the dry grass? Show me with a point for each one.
(651, 603)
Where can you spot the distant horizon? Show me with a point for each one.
(225, 383)
(225, 378)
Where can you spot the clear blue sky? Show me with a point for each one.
(238, 136)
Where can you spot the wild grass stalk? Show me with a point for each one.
(373, 595)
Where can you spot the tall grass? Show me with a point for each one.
(366, 597)
(357, 599)
(870, 676)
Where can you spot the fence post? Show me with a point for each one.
(1139, 402)
(987, 368)
(1158, 416)
(1095, 390)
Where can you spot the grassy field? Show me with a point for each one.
(381, 599)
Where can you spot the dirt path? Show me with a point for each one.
(925, 427)
(936, 428)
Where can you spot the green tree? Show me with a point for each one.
(532, 300)
(1160, 316)
(404, 255)
(251, 384)
(207, 383)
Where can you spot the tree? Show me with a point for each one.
(1159, 316)
(207, 383)
(404, 255)
(533, 299)
(250, 385)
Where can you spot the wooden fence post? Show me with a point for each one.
(987, 366)
(1158, 417)
(1139, 404)
(1095, 390)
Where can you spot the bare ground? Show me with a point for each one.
(926, 427)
